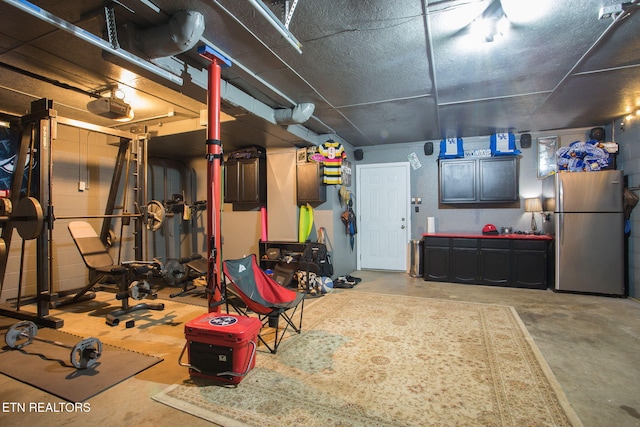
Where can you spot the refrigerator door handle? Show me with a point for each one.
(561, 227)
(560, 197)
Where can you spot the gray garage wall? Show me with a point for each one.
(629, 161)
(424, 184)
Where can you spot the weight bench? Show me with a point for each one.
(196, 267)
(130, 276)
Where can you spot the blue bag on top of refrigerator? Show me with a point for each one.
(579, 156)
(503, 144)
(451, 148)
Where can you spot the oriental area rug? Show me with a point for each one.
(367, 359)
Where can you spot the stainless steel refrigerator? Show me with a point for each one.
(588, 228)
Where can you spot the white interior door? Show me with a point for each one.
(383, 212)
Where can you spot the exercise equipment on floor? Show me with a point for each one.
(28, 204)
(83, 355)
(184, 271)
(131, 276)
(32, 150)
(184, 217)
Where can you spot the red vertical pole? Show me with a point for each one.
(214, 177)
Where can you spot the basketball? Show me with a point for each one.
(326, 284)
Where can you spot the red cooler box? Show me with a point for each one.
(221, 346)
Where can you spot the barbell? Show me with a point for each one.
(83, 355)
(28, 216)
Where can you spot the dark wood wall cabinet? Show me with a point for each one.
(479, 180)
(510, 260)
(309, 184)
(245, 181)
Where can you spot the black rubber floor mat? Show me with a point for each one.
(48, 367)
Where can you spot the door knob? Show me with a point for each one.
(403, 227)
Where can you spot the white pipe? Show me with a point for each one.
(298, 114)
(178, 35)
(275, 23)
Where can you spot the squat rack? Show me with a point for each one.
(38, 131)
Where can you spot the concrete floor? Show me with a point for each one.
(591, 344)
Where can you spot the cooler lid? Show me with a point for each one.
(220, 324)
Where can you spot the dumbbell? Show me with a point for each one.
(83, 355)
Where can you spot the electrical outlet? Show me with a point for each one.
(82, 186)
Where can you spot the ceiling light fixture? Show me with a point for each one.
(632, 114)
(491, 24)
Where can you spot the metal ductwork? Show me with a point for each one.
(296, 115)
(178, 35)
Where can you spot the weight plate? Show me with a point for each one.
(28, 218)
(5, 206)
(139, 290)
(155, 215)
(86, 353)
(20, 334)
(173, 272)
(134, 291)
(157, 268)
